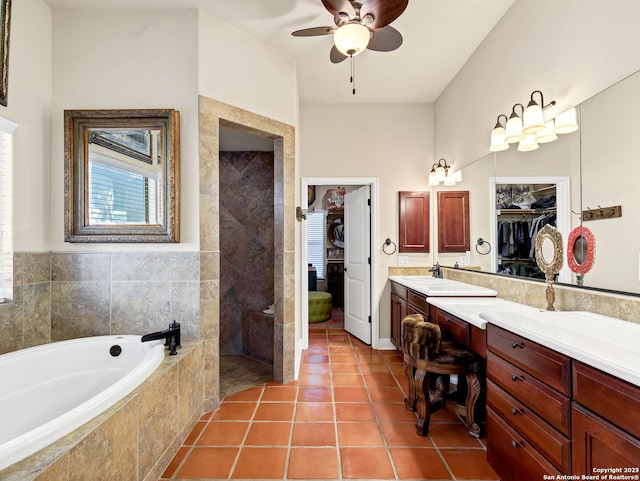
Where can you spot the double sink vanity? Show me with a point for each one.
(562, 388)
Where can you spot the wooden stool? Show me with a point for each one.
(426, 353)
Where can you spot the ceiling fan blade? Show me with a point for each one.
(384, 11)
(314, 31)
(336, 55)
(385, 39)
(337, 6)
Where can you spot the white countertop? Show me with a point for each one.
(469, 308)
(606, 343)
(432, 286)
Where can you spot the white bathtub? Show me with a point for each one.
(50, 390)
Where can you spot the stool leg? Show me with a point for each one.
(473, 393)
(410, 400)
(423, 406)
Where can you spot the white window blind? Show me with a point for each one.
(6, 207)
(120, 195)
(316, 225)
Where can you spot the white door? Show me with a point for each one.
(357, 264)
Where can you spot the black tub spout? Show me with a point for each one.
(171, 337)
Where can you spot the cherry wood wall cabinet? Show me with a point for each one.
(453, 221)
(414, 222)
(606, 423)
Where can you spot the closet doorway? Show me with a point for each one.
(526, 202)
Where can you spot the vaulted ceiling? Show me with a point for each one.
(439, 36)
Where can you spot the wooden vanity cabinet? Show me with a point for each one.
(404, 301)
(529, 407)
(605, 422)
(471, 336)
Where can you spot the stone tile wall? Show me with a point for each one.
(246, 242)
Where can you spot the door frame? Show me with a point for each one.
(372, 182)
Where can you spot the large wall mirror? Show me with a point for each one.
(601, 162)
(122, 175)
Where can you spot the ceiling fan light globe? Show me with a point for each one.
(351, 39)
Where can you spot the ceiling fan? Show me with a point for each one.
(360, 26)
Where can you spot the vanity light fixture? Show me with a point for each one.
(532, 121)
(530, 129)
(441, 172)
(497, 136)
(547, 134)
(514, 126)
(566, 122)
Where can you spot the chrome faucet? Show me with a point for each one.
(171, 337)
(436, 271)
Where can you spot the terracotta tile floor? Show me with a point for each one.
(343, 419)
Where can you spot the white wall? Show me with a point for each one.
(238, 69)
(116, 59)
(29, 105)
(393, 142)
(569, 49)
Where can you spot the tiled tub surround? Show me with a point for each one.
(61, 296)
(533, 293)
(134, 439)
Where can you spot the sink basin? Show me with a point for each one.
(422, 279)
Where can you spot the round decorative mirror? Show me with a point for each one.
(581, 251)
(548, 251)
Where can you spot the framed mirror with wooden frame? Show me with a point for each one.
(122, 172)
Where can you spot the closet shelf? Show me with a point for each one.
(524, 211)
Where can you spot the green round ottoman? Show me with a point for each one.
(319, 306)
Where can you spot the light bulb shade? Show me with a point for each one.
(497, 140)
(514, 130)
(432, 178)
(454, 178)
(351, 38)
(566, 122)
(546, 135)
(532, 120)
(449, 181)
(441, 174)
(528, 143)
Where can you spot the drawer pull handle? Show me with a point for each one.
(515, 411)
(516, 345)
(515, 444)
(515, 377)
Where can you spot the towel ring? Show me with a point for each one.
(480, 242)
(389, 242)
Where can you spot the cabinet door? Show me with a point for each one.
(599, 444)
(453, 221)
(414, 222)
(398, 312)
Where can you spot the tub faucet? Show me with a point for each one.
(436, 271)
(171, 337)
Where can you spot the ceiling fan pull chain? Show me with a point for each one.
(353, 74)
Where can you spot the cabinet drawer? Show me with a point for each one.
(540, 398)
(608, 396)
(548, 366)
(399, 290)
(457, 328)
(418, 300)
(553, 445)
(512, 457)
